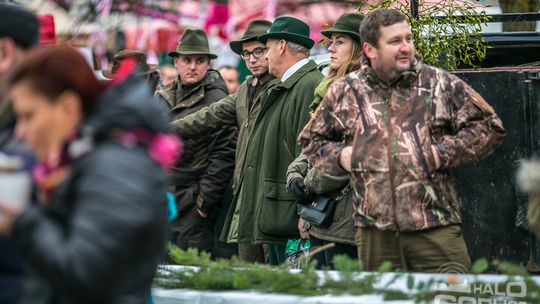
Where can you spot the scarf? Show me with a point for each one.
(320, 91)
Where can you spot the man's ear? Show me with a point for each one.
(7, 55)
(282, 44)
(369, 50)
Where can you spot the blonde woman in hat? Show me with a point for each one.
(203, 175)
(240, 109)
(306, 182)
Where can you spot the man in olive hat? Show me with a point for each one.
(19, 31)
(239, 109)
(202, 176)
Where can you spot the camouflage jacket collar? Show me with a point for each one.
(405, 78)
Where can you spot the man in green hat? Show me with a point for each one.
(239, 109)
(271, 218)
(200, 178)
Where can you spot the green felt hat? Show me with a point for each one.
(193, 42)
(348, 24)
(254, 29)
(290, 29)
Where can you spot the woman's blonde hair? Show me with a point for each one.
(352, 63)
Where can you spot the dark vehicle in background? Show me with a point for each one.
(494, 211)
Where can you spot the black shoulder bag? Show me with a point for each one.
(320, 211)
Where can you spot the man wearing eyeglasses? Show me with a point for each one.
(239, 109)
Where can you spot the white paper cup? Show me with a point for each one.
(15, 189)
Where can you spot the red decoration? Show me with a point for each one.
(47, 29)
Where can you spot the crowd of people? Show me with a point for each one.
(381, 133)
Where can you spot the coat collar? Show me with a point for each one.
(263, 79)
(306, 68)
(406, 77)
(174, 93)
(292, 69)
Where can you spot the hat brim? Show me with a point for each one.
(188, 53)
(328, 33)
(236, 45)
(300, 39)
(151, 69)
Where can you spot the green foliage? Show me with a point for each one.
(509, 268)
(479, 266)
(439, 37)
(237, 275)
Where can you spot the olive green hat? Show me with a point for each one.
(193, 42)
(290, 29)
(348, 24)
(254, 29)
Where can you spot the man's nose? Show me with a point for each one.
(252, 58)
(405, 47)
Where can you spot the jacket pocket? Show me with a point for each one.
(278, 211)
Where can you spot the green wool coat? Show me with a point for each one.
(268, 212)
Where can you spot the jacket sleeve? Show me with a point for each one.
(298, 168)
(331, 128)
(221, 152)
(478, 129)
(119, 207)
(322, 183)
(209, 119)
(220, 171)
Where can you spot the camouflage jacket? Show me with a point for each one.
(394, 130)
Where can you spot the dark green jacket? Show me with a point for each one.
(203, 173)
(239, 109)
(268, 211)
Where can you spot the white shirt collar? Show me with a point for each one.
(295, 67)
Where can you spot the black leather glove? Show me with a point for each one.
(300, 191)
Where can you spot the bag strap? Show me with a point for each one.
(344, 192)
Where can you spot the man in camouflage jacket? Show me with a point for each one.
(401, 127)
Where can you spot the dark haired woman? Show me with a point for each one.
(99, 228)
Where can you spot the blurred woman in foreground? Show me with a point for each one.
(100, 225)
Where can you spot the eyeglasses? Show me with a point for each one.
(257, 53)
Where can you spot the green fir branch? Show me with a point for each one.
(237, 275)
